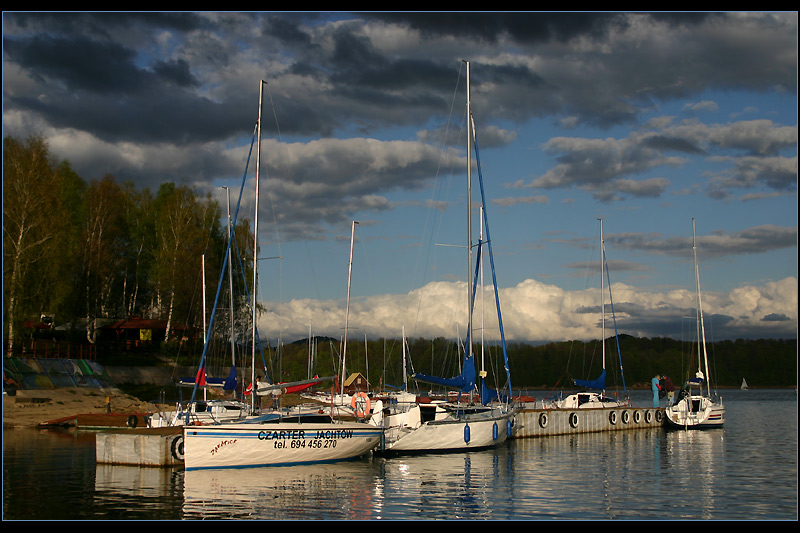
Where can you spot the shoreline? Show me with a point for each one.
(32, 408)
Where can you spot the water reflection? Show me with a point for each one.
(461, 485)
(132, 492)
(473, 485)
(745, 471)
(627, 474)
(133, 481)
(327, 491)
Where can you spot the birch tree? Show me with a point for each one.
(29, 203)
(183, 227)
(104, 243)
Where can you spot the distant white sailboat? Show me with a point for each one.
(697, 409)
(744, 384)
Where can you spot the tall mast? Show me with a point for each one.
(700, 309)
(483, 373)
(230, 278)
(469, 215)
(405, 375)
(205, 328)
(347, 308)
(603, 290)
(255, 246)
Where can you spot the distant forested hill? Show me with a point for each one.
(763, 362)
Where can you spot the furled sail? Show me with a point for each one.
(465, 381)
(596, 384)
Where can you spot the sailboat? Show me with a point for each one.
(274, 438)
(744, 384)
(695, 408)
(444, 425)
(595, 397)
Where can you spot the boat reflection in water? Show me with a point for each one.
(473, 485)
(343, 490)
(149, 490)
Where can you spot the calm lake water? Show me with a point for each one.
(745, 471)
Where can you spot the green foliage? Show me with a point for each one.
(83, 251)
(764, 362)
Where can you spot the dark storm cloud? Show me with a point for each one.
(98, 86)
(79, 63)
(754, 240)
(105, 24)
(350, 82)
(185, 80)
(675, 144)
(776, 317)
(526, 28)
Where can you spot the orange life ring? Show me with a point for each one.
(359, 400)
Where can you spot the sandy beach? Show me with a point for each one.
(30, 408)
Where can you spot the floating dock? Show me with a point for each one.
(145, 447)
(163, 447)
(541, 422)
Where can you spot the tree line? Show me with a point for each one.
(84, 250)
(763, 362)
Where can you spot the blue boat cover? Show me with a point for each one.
(465, 381)
(596, 384)
(230, 383)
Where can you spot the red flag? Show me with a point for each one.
(201, 377)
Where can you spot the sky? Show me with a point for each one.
(644, 121)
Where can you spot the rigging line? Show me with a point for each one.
(275, 221)
(433, 207)
(362, 242)
(271, 200)
(585, 293)
(219, 285)
(614, 317)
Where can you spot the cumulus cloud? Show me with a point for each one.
(535, 311)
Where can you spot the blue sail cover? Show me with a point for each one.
(465, 381)
(488, 395)
(596, 384)
(230, 383)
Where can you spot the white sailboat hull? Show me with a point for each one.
(277, 443)
(588, 400)
(406, 433)
(696, 412)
